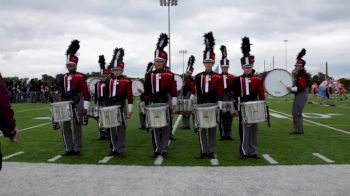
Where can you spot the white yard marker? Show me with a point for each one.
(316, 123)
(105, 159)
(40, 125)
(12, 155)
(159, 160)
(214, 161)
(269, 159)
(55, 158)
(278, 115)
(327, 160)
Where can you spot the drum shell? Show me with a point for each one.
(61, 111)
(253, 112)
(157, 115)
(110, 116)
(184, 106)
(206, 115)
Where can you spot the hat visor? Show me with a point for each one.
(208, 61)
(159, 60)
(247, 66)
(225, 66)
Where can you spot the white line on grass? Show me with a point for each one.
(31, 110)
(12, 155)
(327, 160)
(105, 159)
(31, 127)
(322, 125)
(269, 159)
(55, 158)
(214, 161)
(159, 160)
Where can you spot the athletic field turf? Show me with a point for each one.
(326, 139)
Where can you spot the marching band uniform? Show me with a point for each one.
(188, 90)
(102, 92)
(227, 80)
(247, 87)
(301, 92)
(209, 90)
(144, 99)
(119, 90)
(76, 90)
(158, 85)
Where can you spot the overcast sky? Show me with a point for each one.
(35, 34)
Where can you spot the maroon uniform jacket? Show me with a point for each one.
(248, 88)
(158, 85)
(7, 120)
(302, 81)
(102, 93)
(209, 89)
(119, 90)
(227, 81)
(190, 86)
(75, 86)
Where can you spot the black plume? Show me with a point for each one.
(102, 61)
(301, 53)
(245, 46)
(209, 41)
(73, 48)
(163, 41)
(114, 57)
(120, 54)
(223, 52)
(191, 61)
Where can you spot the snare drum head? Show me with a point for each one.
(91, 84)
(179, 82)
(277, 81)
(137, 87)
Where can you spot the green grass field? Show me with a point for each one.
(42, 143)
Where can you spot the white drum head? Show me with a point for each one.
(137, 87)
(277, 81)
(179, 82)
(91, 84)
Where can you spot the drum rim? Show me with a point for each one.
(277, 69)
(110, 107)
(152, 106)
(251, 102)
(61, 103)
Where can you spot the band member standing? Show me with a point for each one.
(189, 90)
(76, 90)
(247, 87)
(209, 90)
(301, 92)
(119, 90)
(227, 80)
(158, 85)
(144, 100)
(102, 92)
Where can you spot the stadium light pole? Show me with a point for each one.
(169, 3)
(183, 52)
(285, 51)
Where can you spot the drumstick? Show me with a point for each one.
(283, 84)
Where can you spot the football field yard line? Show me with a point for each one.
(327, 160)
(159, 160)
(214, 162)
(105, 159)
(31, 110)
(269, 159)
(31, 127)
(12, 155)
(316, 123)
(55, 158)
(285, 117)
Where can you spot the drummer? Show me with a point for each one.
(188, 90)
(158, 84)
(101, 92)
(209, 90)
(227, 79)
(119, 90)
(144, 99)
(247, 87)
(76, 90)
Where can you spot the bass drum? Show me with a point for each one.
(277, 81)
(137, 87)
(91, 84)
(179, 82)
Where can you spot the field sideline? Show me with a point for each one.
(326, 140)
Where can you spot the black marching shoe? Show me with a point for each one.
(165, 155)
(77, 152)
(211, 155)
(114, 153)
(68, 153)
(254, 156)
(295, 133)
(155, 154)
(172, 138)
(244, 157)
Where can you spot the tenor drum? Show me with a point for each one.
(157, 115)
(277, 81)
(179, 82)
(254, 112)
(136, 87)
(61, 111)
(205, 115)
(110, 116)
(184, 106)
(91, 82)
(227, 107)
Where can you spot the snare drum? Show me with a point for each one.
(254, 111)
(227, 107)
(205, 115)
(157, 115)
(110, 116)
(184, 106)
(61, 111)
